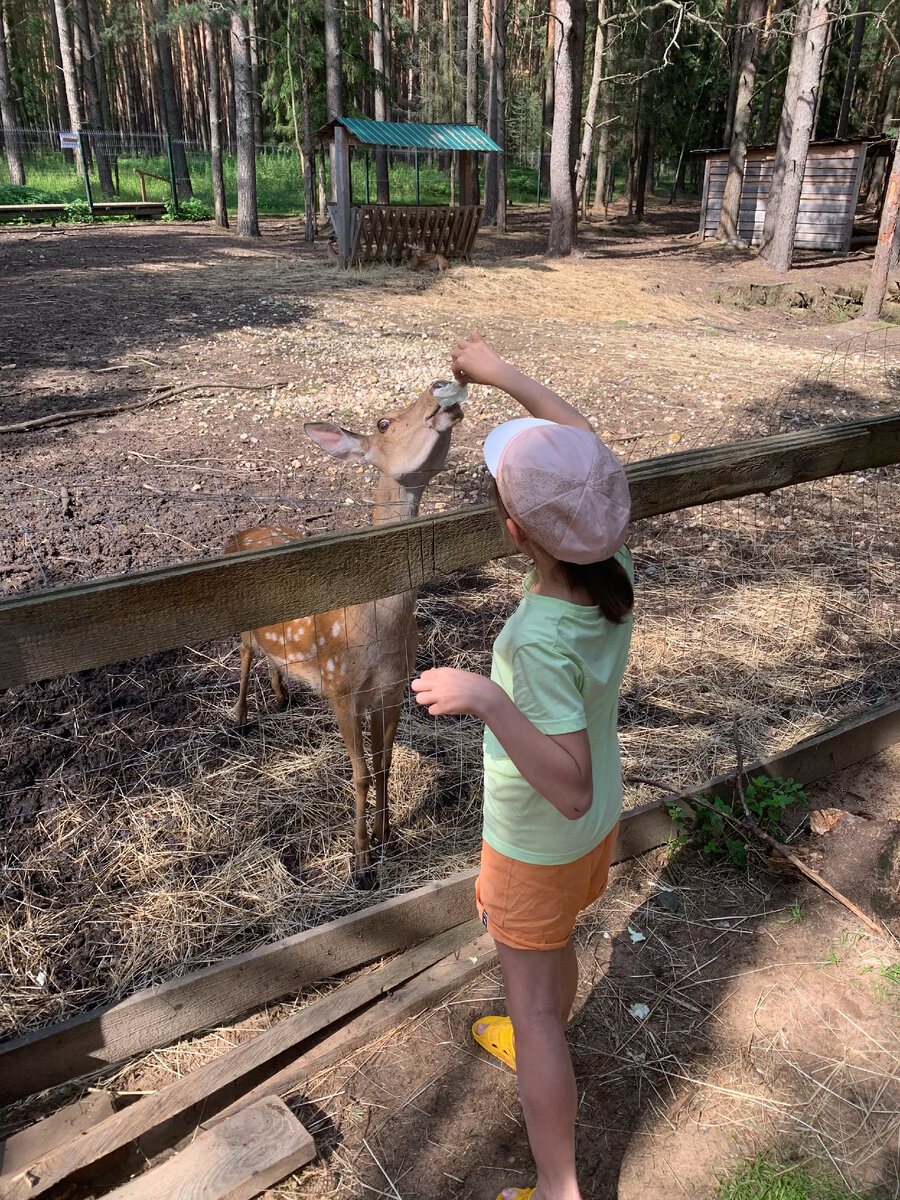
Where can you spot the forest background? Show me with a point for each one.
(590, 95)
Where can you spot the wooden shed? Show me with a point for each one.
(378, 232)
(828, 200)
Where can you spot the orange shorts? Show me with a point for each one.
(534, 907)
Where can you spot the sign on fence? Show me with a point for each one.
(68, 141)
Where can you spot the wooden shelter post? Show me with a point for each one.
(342, 195)
(465, 178)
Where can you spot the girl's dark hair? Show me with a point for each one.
(606, 582)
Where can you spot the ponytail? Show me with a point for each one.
(606, 583)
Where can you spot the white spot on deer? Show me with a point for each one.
(321, 641)
(329, 666)
(271, 637)
(336, 629)
(343, 668)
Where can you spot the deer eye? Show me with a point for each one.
(383, 425)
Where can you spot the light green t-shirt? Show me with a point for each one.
(561, 664)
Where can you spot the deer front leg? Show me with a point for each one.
(384, 729)
(240, 709)
(350, 724)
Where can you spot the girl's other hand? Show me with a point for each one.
(475, 362)
(445, 690)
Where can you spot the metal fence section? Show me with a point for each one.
(90, 169)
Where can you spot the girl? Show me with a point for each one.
(553, 782)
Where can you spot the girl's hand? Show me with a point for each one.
(475, 362)
(444, 690)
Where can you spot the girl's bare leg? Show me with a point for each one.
(540, 989)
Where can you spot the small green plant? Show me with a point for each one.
(77, 210)
(767, 1177)
(192, 209)
(719, 837)
(886, 984)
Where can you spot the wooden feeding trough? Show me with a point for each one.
(834, 173)
(380, 232)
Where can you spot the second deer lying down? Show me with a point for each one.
(360, 658)
(419, 260)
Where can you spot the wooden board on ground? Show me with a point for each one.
(22, 1149)
(87, 625)
(239, 1158)
(425, 990)
(158, 1016)
(153, 1111)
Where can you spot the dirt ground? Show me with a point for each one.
(773, 1018)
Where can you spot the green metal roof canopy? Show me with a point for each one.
(406, 134)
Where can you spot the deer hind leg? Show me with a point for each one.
(281, 696)
(350, 723)
(240, 709)
(385, 720)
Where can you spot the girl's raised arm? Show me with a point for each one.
(475, 362)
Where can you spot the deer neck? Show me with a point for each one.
(395, 501)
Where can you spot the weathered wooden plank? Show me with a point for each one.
(87, 625)
(160, 1015)
(419, 994)
(152, 1111)
(26, 1147)
(236, 1159)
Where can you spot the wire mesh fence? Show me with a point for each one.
(146, 835)
(153, 168)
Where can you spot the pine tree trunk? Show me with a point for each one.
(214, 100)
(334, 88)
(562, 190)
(600, 186)
(498, 59)
(729, 217)
(590, 116)
(70, 77)
(549, 96)
(92, 96)
(174, 126)
(780, 253)
(887, 237)
(256, 95)
(309, 150)
(247, 216)
(489, 215)
(8, 117)
(823, 77)
(786, 123)
(859, 30)
(382, 180)
(769, 53)
(62, 104)
(736, 48)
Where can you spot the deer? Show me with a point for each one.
(360, 658)
(419, 260)
(331, 251)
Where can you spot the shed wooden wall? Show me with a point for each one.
(827, 200)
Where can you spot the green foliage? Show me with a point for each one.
(720, 838)
(192, 209)
(11, 193)
(77, 210)
(767, 1177)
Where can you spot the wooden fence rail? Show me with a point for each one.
(50, 633)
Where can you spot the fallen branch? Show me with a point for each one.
(107, 410)
(713, 325)
(748, 825)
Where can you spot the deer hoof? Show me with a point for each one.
(365, 878)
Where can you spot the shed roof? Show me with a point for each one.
(408, 134)
(871, 139)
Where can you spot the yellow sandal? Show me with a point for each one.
(520, 1194)
(497, 1039)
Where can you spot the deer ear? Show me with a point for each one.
(341, 443)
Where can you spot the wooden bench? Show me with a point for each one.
(134, 208)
